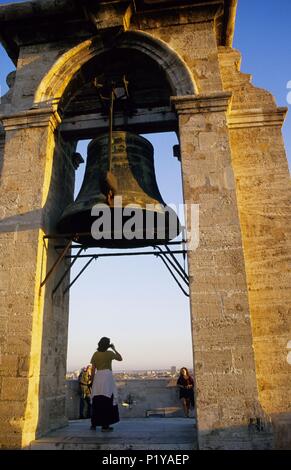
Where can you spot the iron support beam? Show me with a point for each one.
(182, 275)
(88, 126)
(172, 274)
(66, 272)
(59, 247)
(81, 272)
(102, 255)
(57, 262)
(164, 255)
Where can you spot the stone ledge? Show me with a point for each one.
(44, 117)
(195, 104)
(238, 119)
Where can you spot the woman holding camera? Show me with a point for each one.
(104, 393)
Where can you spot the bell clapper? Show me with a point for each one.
(111, 181)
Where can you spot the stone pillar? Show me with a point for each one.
(264, 199)
(226, 389)
(264, 202)
(2, 140)
(33, 324)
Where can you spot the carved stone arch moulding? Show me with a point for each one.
(55, 82)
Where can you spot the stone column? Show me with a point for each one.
(224, 367)
(264, 204)
(264, 201)
(2, 140)
(33, 324)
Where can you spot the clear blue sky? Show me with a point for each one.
(134, 300)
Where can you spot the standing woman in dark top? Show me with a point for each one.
(186, 385)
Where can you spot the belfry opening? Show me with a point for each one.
(128, 88)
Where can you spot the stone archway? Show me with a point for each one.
(42, 373)
(69, 64)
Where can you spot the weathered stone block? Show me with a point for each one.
(14, 389)
(8, 365)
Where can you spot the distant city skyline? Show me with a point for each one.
(134, 301)
(134, 373)
(134, 370)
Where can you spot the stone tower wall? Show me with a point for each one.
(264, 200)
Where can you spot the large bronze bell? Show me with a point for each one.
(129, 179)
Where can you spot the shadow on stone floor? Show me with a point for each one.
(131, 433)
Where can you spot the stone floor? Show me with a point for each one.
(130, 433)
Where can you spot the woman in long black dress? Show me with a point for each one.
(186, 393)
